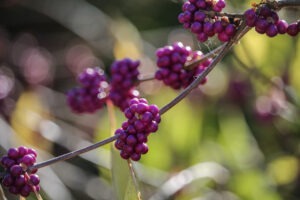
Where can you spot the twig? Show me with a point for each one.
(222, 14)
(72, 154)
(277, 5)
(211, 54)
(243, 29)
(148, 77)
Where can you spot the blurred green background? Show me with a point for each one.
(237, 137)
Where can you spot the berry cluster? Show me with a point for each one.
(143, 119)
(92, 95)
(266, 21)
(124, 75)
(171, 60)
(16, 179)
(201, 17)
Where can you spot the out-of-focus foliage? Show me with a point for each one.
(237, 137)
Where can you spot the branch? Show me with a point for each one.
(222, 14)
(277, 5)
(195, 63)
(72, 154)
(148, 77)
(243, 29)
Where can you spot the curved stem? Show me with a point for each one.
(72, 154)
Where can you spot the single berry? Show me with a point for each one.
(292, 29)
(282, 26)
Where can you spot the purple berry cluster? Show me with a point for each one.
(200, 16)
(16, 179)
(143, 119)
(124, 75)
(266, 21)
(171, 60)
(93, 93)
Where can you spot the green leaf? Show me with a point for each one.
(123, 182)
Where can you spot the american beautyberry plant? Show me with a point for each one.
(177, 66)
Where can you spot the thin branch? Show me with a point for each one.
(211, 54)
(243, 29)
(148, 77)
(277, 5)
(222, 14)
(72, 154)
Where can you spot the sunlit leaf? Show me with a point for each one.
(26, 119)
(284, 169)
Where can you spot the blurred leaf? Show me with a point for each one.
(206, 170)
(238, 144)
(128, 41)
(253, 184)
(131, 192)
(122, 180)
(30, 111)
(284, 169)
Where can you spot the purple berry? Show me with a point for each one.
(282, 26)
(20, 181)
(13, 153)
(131, 140)
(207, 27)
(16, 170)
(199, 16)
(124, 155)
(292, 29)
(261, 26)
(28, 159)
(272, 30)
(34, 179)
(230, 29)
(7, 162)
(8, 180)
(223, 37)
(22, 151)
(25, 191)
(202, 37)
(221, 4)
(218, 27)
(196, 27)
(14, 190)
(135, 156)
